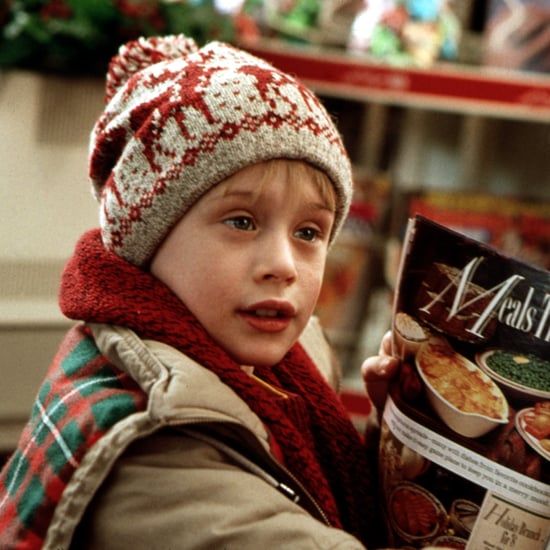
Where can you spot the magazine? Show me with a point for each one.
(465, 434)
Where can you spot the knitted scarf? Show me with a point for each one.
(318, 442)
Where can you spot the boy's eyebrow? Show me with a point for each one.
(231, 193)
(315, 205)
(246, 193)
(240, 193)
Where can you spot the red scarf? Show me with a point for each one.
(319, 444)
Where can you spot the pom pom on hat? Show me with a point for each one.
(180, 119)
(141, 53)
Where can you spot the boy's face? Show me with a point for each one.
(248, 259)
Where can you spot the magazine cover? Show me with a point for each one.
(465, 434)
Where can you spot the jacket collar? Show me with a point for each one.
(179, 388)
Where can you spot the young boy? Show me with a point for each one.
(192, 406)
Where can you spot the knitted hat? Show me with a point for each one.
(178, 120)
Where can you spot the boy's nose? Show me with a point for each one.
(276, 260)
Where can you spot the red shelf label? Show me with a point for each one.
(453, 89)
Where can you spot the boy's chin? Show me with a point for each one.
(263, 360)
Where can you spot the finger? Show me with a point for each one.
(379, 367)
(377, 392)
(386, 344)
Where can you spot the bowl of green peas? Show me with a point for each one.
(522, 375)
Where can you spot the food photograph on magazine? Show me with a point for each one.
(465, 434)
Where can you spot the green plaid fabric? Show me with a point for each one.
(81, 398)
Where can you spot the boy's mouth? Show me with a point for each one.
(271, 309)
(267, 313)
(269, 316)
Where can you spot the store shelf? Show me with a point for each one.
(445, 87)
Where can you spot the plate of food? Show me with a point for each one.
(409, 335)
(465, 398)
(533, 424)
(416, 514)
(523, 375)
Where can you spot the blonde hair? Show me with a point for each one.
(300, 170)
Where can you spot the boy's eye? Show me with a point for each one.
(243, 223)
(308, 234)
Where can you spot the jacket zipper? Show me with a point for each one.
(283, 488)
(252, 466)
(250, 372)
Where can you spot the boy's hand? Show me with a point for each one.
(378, 370)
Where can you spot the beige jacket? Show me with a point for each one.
(192, 471)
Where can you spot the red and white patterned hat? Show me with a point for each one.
(180, 119)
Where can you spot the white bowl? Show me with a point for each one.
(452, 374)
